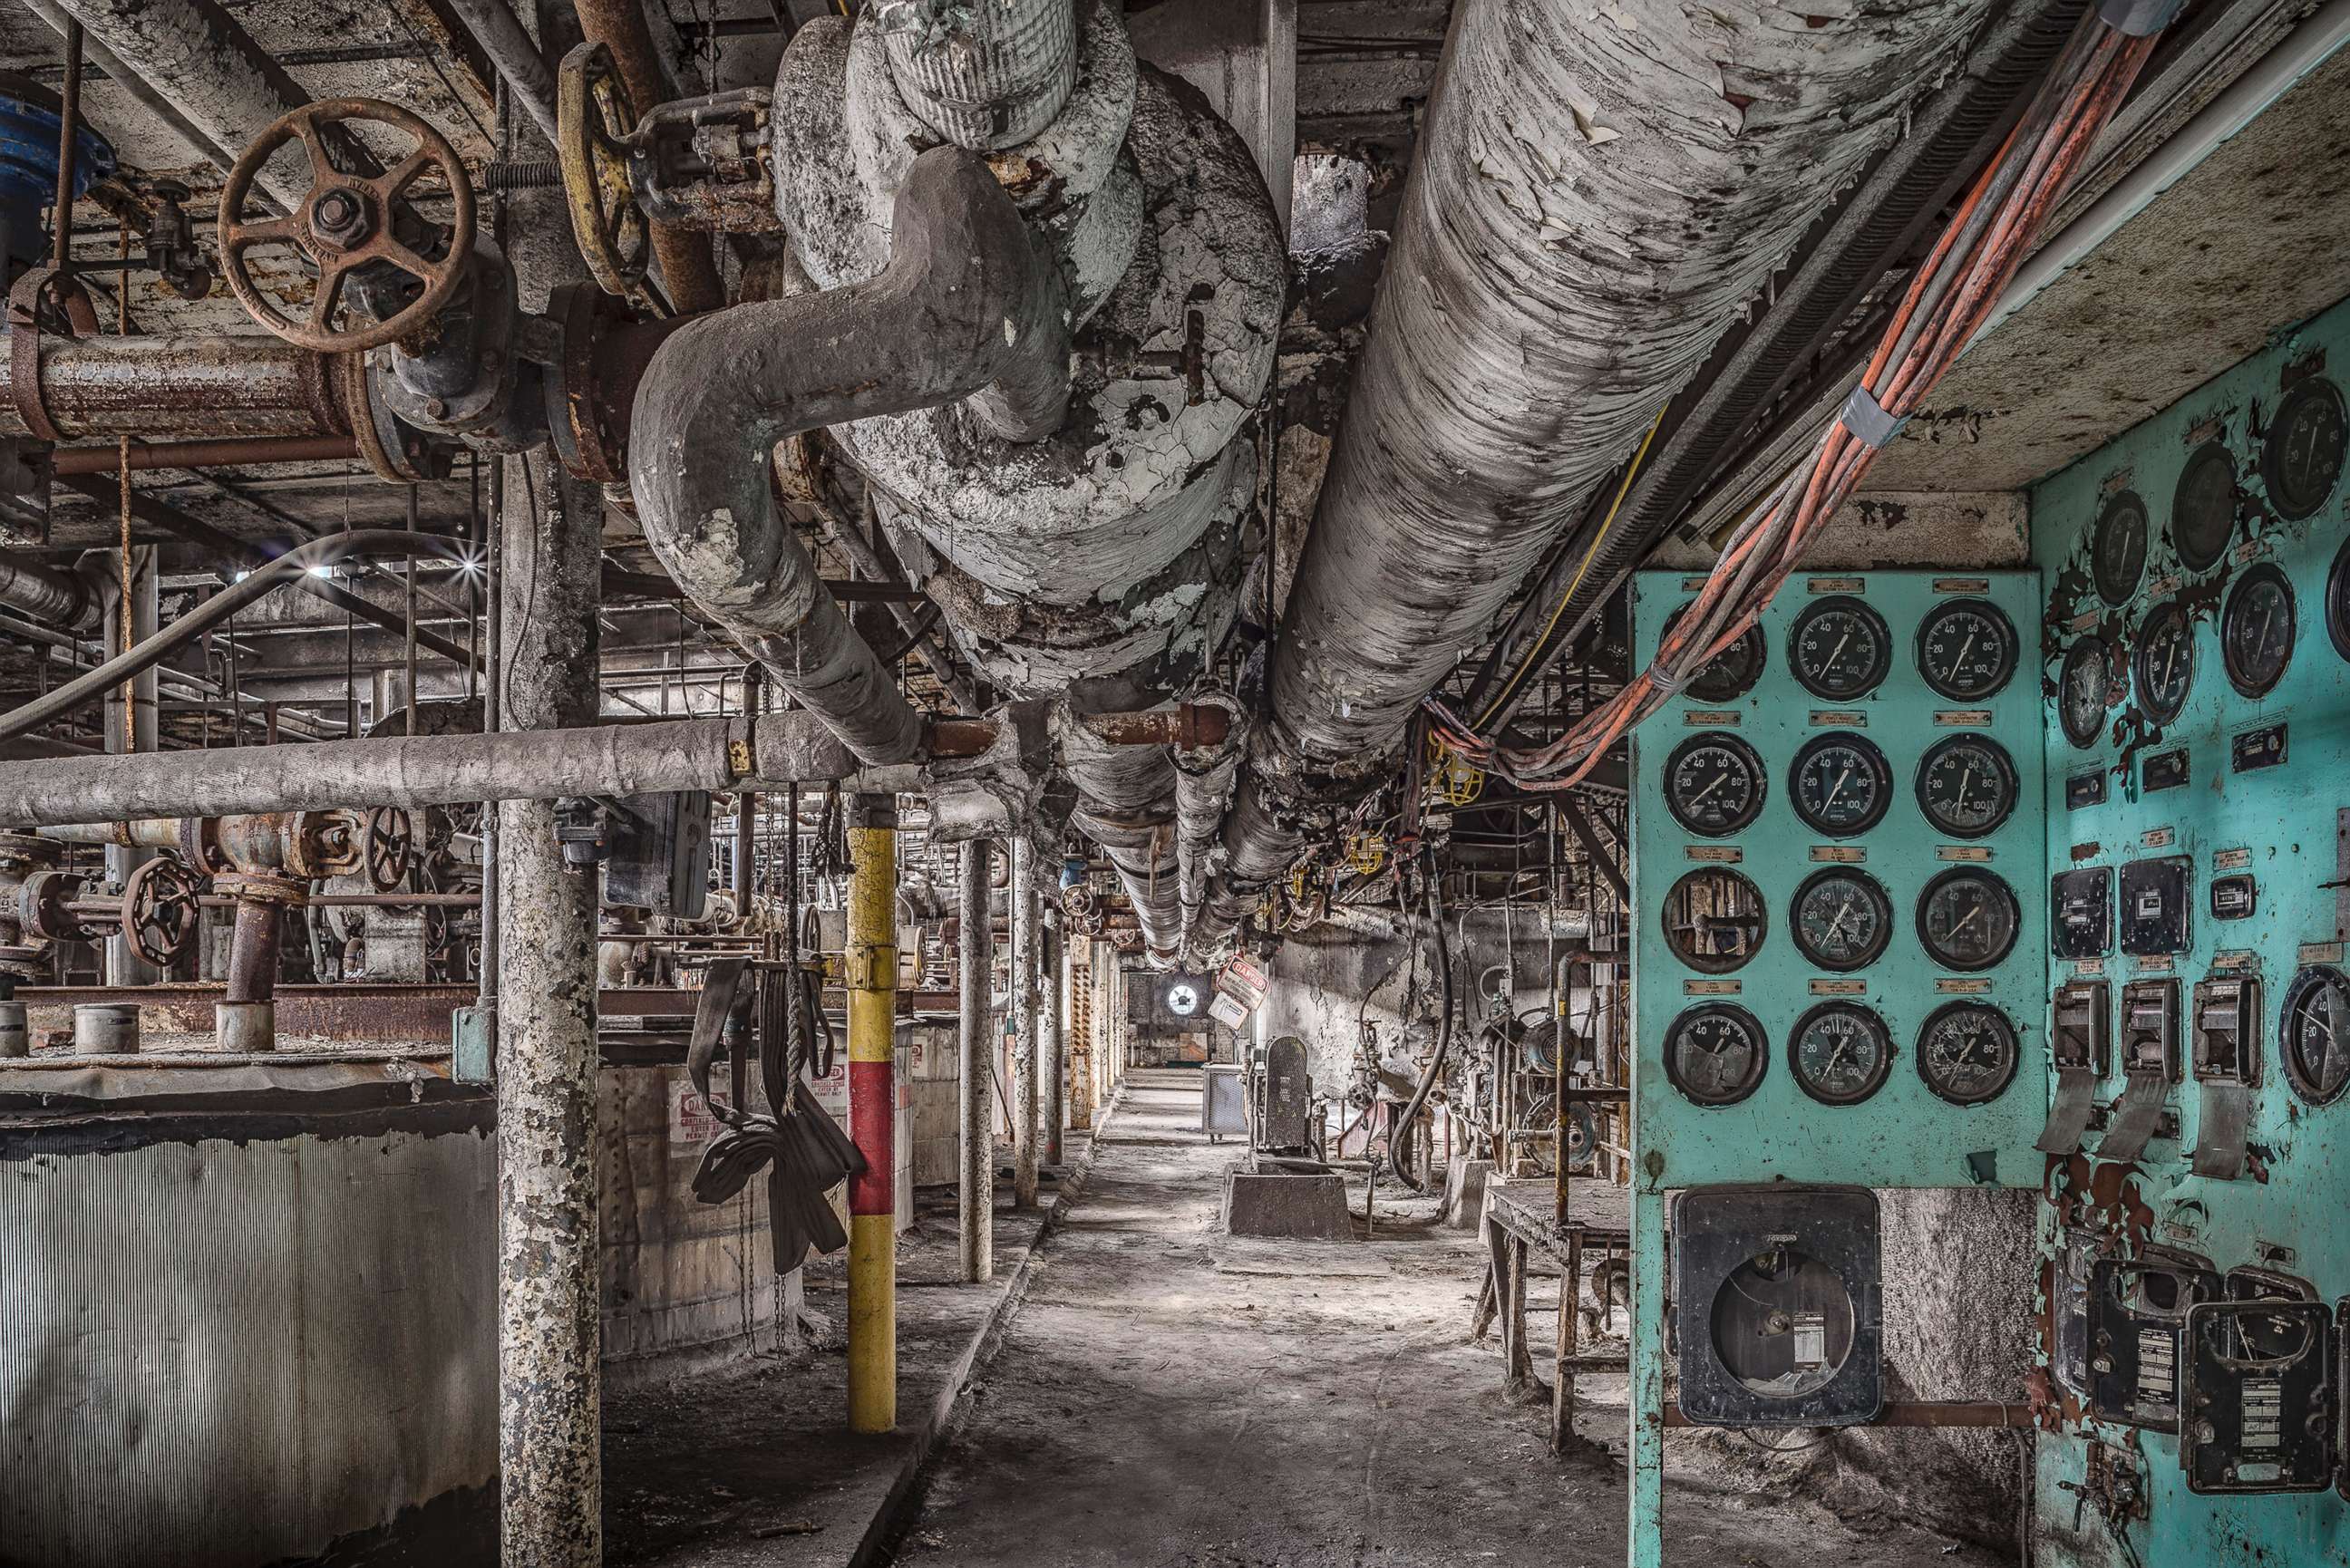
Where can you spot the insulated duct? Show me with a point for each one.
(984, 77)
(52, 597)
(967, 308)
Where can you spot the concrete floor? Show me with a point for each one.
(1168, 1397)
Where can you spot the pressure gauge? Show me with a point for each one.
(1733, 672)
(2084, 690)
(1840, 1052)
(1842, 784)
(2302, 458)
(2256, 630)
(2117, 548)
(1714, 784)
(1716, 1054)
(2203, 507)
(1843, 919)
(2337, 600)
(1968, 919)
(1715, 919)
(2314, 1037)
(1967, 785)
(1840, 648)
(2165, 661)
(1966, 649)
(1967, 1052)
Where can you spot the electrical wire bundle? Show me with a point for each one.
(1953, 293)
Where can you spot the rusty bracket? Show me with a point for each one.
(25, 340)
(870, 966)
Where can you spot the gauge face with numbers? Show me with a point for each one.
(2117, 548)
(1843, 919)
(1842, 784)
(2256, 630)
(2085, 691)
(2315, 1034)
(1967, 1052)
(1841, 1054)
(2165, 662)
(1716, 1054)
(1967, 785)
(1715, 919)
(1966, 649)
(2203, 507)
(1714, 784)
(1733, 672)
(2301, 461)
(1840, 648)
(1968, 919)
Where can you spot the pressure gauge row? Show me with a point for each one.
(1841, 649)
(1967, 919)
(1841, 785)
(1841, 1054)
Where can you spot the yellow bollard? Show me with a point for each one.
(872, 976)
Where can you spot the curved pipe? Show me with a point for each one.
(969, 307)
(51, 598)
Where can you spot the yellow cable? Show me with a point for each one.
(1565, 598)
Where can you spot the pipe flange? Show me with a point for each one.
(43, 908)
(397, 454)
(199, 843)
(320, 843)
(262, 887)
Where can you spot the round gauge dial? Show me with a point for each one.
(1842, 784)
(2117, 548)
(1716, 1054)
(1967, 1052)
(1968, 919)
(2084, 690)
(1840, 1052)
(2302, 458)
(2315, 1034)
(2203, 507)
(1715, 919)
(1733, 672)
(1966, 649)
(2165, 661)
(1840, 648)
(1843, 919)
(1967, 785)
(2256, 630)
(2337, 600)
(1713, 785)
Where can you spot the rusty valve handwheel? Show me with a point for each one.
(593, 122)
(344, 222)
(158, 911)
(388, 849)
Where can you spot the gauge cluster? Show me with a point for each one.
(1841, 829)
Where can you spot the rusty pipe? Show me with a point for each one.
(686, 267)
(209, 385)
(233, 453)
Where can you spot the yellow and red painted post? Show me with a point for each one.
(871, 972)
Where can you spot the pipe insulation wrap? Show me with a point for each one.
(50, 596)
(1596, 198)
(984, 73)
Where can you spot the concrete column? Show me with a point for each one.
(872, 976)
(549, 1370)
(1024, 1024)
(977, 1215)
(122, 966)
(1056, 1041)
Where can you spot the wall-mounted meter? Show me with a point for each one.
(2257, 1400)
(2138, 1318)
(1777, 1297)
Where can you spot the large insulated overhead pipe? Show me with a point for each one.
(968, 308)
(51, 598)
(984, 77)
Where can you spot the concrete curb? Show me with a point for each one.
(874, 1547)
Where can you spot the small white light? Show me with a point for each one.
(322, 571)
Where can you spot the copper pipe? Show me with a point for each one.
(1186, 724)
(686, 269)
(226, 453)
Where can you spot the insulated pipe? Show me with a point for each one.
(984, 77)
(872, 977)
(687, 269)
(1203, 787)
(1022, 892)
(210, 385)
(52, 597)
(1126, 804)
(968, 308)
(515, 55)
(975, 1208)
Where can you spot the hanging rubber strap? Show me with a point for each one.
(719, 984)
(1866, 418)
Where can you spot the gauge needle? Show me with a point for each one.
(1842, 910)
(1719, 780)
(1965, 778)
(2169, 658)
(1837, 652)
(1836, 789)
(1964, 649)
(1970, 921)
(1836, 1058)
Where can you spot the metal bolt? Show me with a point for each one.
(339, 216)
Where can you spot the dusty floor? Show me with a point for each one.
(1168, 1397)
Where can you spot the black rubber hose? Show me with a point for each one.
(1443, 1040)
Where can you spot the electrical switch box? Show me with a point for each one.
(2150, 1028)
(2079, 1034)
(2258, 1397)
(2137, 1317)
(2227, 1030)
(2156, 905)
(1778, 1299)
(2081, 912)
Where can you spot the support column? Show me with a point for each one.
(1024, 1030)
(872, 976)
(976, 1217)
(1055, 1032)
(550, 1423)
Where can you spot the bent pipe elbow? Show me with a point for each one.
(970, 307)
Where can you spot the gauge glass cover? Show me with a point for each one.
(1716, 1054)
(2316, 1035)
(1733, 672)
(1843, 919)
(2117, 548)
(1967, 1052)
(2203, 507)
(1966, 649)
(1968, 920)
(2337, 600)
(1840, 648)
(2301, 461)
(2165, 662)
(2084, 688)
(2256, 630)
(1842, 784)
(1840, 1053)
(1715, 919)
(1967, 785)
(1714, 784)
